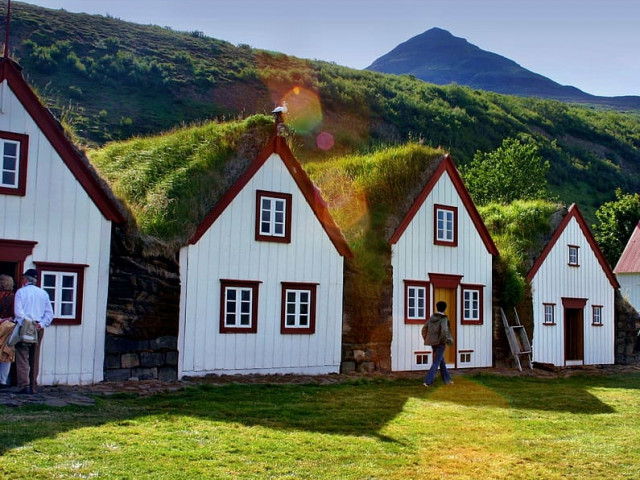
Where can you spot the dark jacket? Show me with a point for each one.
(437, 330)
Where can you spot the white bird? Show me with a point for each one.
(281, 109)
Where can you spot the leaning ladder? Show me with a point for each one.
(518, 340)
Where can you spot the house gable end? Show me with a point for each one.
(447, 165)
(629, 261)
(574, 213)
(278, 146)
(54, 132)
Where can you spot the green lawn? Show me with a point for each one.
(484, 426)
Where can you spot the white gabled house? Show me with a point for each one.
(262, 277)
(573, 295)
(627, 269)
(56, 217)
(442, 250)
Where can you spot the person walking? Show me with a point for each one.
(31, 302)
(437, 333)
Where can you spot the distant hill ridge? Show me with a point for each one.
(437, 56)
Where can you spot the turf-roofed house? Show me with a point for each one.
(262, 277)
(441, 250)
(55, 216)
(573, 297)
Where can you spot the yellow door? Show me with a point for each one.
(448, 295)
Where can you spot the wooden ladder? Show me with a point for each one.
(518, 339)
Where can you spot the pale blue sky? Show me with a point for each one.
(591, 44)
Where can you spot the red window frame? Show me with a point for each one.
(311, 288)
(436, 240)
(261, 237)
(78, 269)
(416, 283)
(248, 284)
(476, 288)
(23, 156)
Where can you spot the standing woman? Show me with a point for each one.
(7, 353)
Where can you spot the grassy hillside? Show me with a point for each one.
(112, 80)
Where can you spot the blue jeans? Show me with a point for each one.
(438, 361)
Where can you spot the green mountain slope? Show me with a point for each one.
(112, 80)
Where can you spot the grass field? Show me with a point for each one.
(484, 426)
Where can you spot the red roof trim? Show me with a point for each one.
(629, 261)
(447, 165)
(574, 212)
(277, 145)
(54, 132)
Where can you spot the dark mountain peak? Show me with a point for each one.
(437, 56)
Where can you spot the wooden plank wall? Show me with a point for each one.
(228, 250)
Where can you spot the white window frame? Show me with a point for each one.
(417, 294)
(549, 314)
(273, 217)
(471, 305)
(276, 212)
(445, 225)
(59, 271)
(61, 292)
(239, 288)
(298, 290)
(574, 252)
(596, 318)
(4, 142)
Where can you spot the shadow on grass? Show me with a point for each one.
(359, 409)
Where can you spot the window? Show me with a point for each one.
(573, 256)
(13, 163)
(273, 217)
(298, 308)
(422, 358)
(549, 314)
(472, 304)
(465, 356)
(416, 301)
(65, 284)
(239, 306)
(597, 316)
(446, 225)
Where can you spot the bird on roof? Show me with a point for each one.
(281, 109)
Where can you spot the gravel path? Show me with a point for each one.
(59, 396)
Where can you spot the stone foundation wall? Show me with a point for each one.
(142, 310)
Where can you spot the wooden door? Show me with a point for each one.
(448, 295)
(573, 335)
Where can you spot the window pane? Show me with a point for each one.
(68, 281)
(48, 280)
(8, 178)
(67, 309)
(67, 295)
(10, 163)
(10, 149)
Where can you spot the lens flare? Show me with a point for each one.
(325, 141)
(304, 110)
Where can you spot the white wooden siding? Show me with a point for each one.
(555, 280)
(630, 288)
(228, 250)
(415, 255)
(57, 213)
